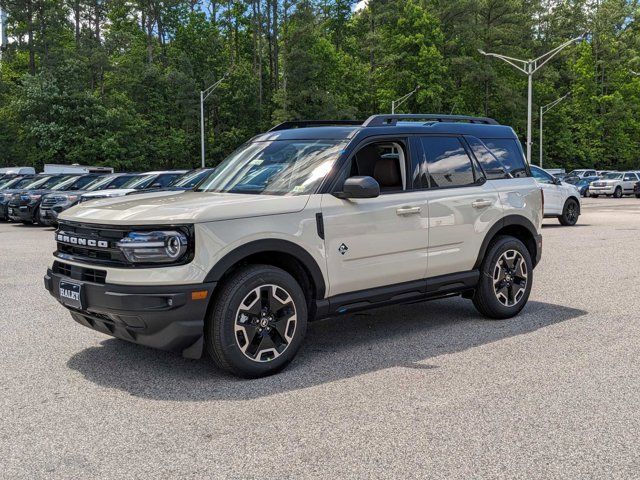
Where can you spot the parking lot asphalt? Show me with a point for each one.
(427, 390)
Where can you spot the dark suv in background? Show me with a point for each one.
(57, 202)
(24, 206)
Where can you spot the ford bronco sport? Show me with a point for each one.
(307, 221)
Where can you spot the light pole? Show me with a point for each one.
(529, 67)
(544, 109)
(204, 94)
(401, 100)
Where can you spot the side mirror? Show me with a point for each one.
(359, 187)
(557, 181)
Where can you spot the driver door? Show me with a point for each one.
(374, 242)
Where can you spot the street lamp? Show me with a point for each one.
(204, 94)
(401, 100)
(529, 67)
(544, 109)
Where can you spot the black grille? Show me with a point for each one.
(49, 202)
(103, 250)
(80, 273)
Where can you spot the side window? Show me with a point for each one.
(165, 180)
(384, 161)
(630, 176)
(509, 153)
(119, 181)
(540, 175)
(590, 173)
(492, 167)
(447, 162)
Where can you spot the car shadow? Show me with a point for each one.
(409, 336)
(557, 225)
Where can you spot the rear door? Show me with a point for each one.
(463, 205)
(553, 194)
(628, 182)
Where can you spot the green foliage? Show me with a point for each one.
(118, 83)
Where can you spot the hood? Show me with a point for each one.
(114, 192)
(182, 207)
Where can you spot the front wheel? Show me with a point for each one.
(505, 281)
(258, 322)
(617, 193)
(637, 195)
(570, 213)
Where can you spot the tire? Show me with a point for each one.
(570, 213)
(617, 193)
(637, 195)
(507, 301)
(250, 342)
(594, 196)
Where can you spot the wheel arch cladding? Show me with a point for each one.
(516, 226)
(284, 254)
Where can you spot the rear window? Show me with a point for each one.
(509, 153)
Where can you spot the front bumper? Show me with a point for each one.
(48, 217)
(608, 190)
(163, 317)
(21, 213)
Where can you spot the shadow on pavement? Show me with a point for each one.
(334, 349)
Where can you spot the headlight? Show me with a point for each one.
(154, 247)
(72, 198)
(34, 197)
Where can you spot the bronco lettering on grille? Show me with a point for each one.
(83, 242)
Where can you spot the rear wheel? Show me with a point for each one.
(505, 281)
(617, 193)
(258, 322)
(570, 213)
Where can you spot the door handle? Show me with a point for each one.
(481, 203)
(408, 210)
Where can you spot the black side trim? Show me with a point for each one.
(320, 225)
(414, 291)
(269, 245)
(517, 220)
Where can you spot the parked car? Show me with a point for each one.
(583, 185)
(238, 266)
(636, 189)
(54, 203)
(582, 173)
(614, 184)
(144, 182)
(561, 200)
(24, 206)
(15, 185)
(9, 181)
(17, 171)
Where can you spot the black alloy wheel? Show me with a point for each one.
(570, 213)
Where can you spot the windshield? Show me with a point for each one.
(44, 183)
(612, 176)
(139, 182)
(191, 179)
(279, 167)
(60, 183)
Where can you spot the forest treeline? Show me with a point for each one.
(117, 82)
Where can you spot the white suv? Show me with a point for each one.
(561, 200)
(306, 221)
(614, 183)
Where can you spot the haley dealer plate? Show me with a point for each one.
(71, 294)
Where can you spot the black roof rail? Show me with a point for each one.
(382, 120)
(314, 123)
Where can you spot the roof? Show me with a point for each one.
(388, 124)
